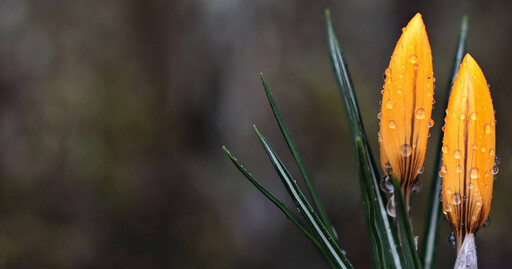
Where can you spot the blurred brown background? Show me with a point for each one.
(113, 113)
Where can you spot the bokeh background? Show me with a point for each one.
(113, 114)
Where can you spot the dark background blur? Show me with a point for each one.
(113, 113)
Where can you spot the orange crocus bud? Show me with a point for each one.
(468, 152)
(407, 100)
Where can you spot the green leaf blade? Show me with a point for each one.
(279, 204)
(298, 159)
(405, 228)
(376, 216)
(326, 240)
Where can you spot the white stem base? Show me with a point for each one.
(466, 259)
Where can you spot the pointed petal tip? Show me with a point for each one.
(416, 20)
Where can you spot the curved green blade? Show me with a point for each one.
(326, 240)
(384, 248)
(434, 210)
(298, 159)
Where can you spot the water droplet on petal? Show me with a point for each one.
(473, 173)
(445, 149)
(421, 170)
(462, 116)
(390, 103)
(447, 208)
(430, 123)
(473, 116)
(379, 115)
(483, 149)
(474, 147)
(416, 187)
(497, 159)
(457, 154)
(495, 170)
(456, 199)
(487, 222)
(390, 207)
(452, 241)
(406, 150)
(386, 185)
(420, 113)
(413, 59)
(487, 128)
(459, 169)
(392, 124)
(448, 191)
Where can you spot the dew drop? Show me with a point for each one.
(470, 185)
(421, 170)
(420, 113)
(379, 115)
(474, 147)
(416, 187)
(392, 124)
(456, 199)
(462, 116)
(413, 59)
(444, 169)
(379, 136)
(442, 128)
(390, 103)
(388, 167)
(430, 123)
(497, 159)
(491, 152)
(495, 170)
(448, 191)
(386, 185)
(473, 116)
(452, 241)
(487, 129)
(447, 208)
(473, 173)
(483, 149)
(487, 222)
(445, 149)
(459, 169)
(406, 150)
(390, 207)
(457, 154)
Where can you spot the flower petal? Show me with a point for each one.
(407, 104)
(468, 151)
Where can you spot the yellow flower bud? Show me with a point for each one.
(407, 99)
(468, 151)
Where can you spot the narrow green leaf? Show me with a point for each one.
(434, 211)
(289, 214)
(404, 228)
(382, 236)
(322, 233)
(298, 159)
(371, 208)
